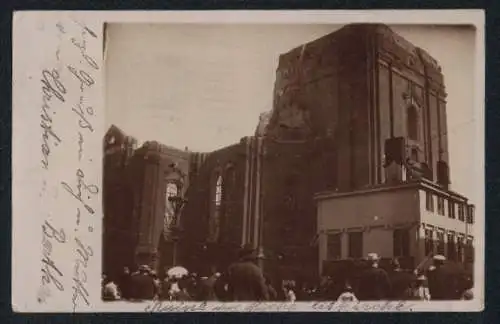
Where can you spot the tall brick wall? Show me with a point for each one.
(198, 252)
(118, 240)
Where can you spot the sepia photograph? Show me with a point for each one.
(289, 162)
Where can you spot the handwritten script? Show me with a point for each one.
(256, 307)
(64, 91)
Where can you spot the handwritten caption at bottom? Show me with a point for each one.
(256, 307)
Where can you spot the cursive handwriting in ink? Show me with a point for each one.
(78, 216)
(51, 274)
(50, 232)
(85, 79)
(79, 275)
(386, 306)
(267, 307)
(80, 146)
(85, 28)
(159, 306)
(82, 46)
(52, 87)
(82, 113)
(81, 188)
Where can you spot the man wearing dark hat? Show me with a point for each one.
(143, 284)
(441, 284)
(401, 281)
(374, 282)
(245, 279)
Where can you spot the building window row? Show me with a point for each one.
(464, 212)
(455, 248)
(401, 244)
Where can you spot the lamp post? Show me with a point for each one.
(178, 202)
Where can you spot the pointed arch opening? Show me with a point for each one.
(216, 210)
(218, 191)
(172, 190)
(412, 122)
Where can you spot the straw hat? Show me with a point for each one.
(372, 257)
(439, 257)
(144, 267)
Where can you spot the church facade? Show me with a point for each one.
(346, 116)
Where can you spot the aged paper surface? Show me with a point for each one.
(74, 81)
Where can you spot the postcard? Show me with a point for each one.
(237, 161)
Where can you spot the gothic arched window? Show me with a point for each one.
(172, 190)
(218, 191)
(412, 122)
(215, 214)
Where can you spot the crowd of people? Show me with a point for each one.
(244, 280)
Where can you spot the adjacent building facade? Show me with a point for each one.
(361, 121)
(411, 221)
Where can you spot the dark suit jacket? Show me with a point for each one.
(207, 289)
(442, 285)
(374, 284)
(142, 287)
(246, 282)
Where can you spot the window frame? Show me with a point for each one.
(451, 209)
(350, 238)
(470, 214)
(429, 201)
(461, 212)
(428, 241)
(441, 206)
(401, 242)
(451, 246)
(440, 248)
(333, 240)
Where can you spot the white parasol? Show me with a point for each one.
(177, 272)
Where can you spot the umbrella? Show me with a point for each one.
(177, 272)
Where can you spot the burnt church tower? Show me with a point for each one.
(377, 96)
(358, 108)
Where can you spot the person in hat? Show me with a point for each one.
(374, 282)
(143, 284)
(207, 286)
(401, 281)
(273, 294)
(419, 290)
(109, 289)
(156, 282)
(347, 295)
(441, 285)
(289, 289)
(124, 282)
(245, 279)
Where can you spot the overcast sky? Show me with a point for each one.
(204, 86)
